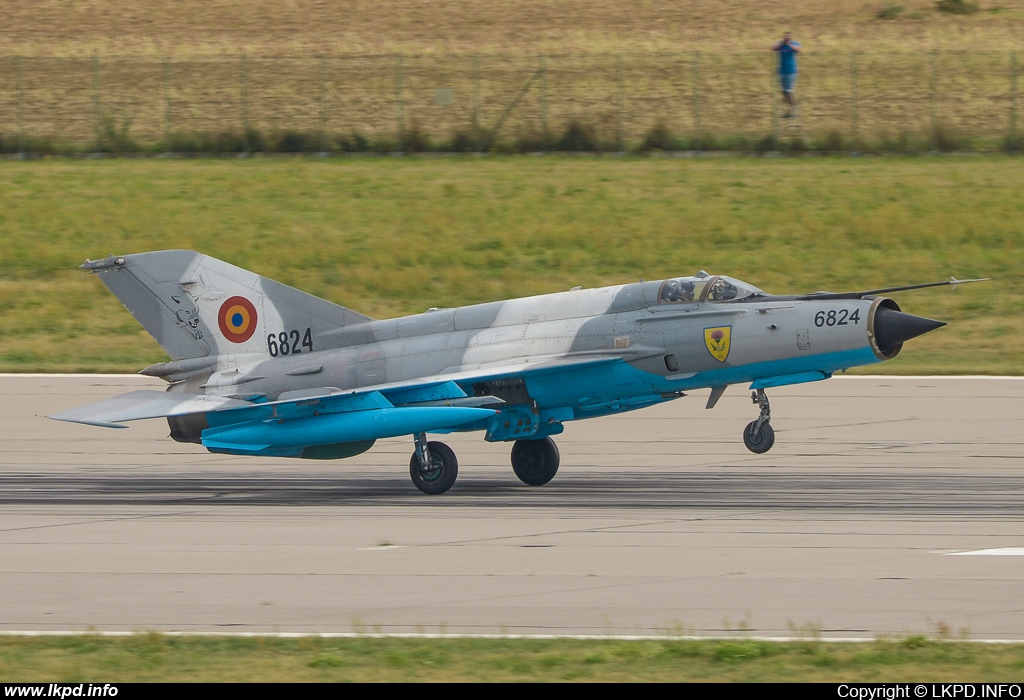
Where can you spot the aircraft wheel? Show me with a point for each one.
(535, 462)
(440, 474)
(762, 441)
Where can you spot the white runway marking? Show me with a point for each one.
(428, 635)
(1000, 552)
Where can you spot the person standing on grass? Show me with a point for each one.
(787, 50)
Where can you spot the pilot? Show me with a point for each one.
(722, 290)
(671, 291)
(686, 290)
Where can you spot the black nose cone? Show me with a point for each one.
(893, 328)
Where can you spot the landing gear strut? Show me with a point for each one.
(535, 462)
(759, 436)
(433, 466)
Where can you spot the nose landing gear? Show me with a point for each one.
(759, 436)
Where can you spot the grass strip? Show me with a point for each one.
(390, 236)
(148, 657)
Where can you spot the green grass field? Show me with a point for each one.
(391, 236)
(154, 657)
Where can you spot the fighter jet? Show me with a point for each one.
(258, 368)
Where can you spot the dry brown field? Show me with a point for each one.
(306, 27)
(195, 75)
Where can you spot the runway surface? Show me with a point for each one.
(659, 521)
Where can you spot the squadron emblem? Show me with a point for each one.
(237, 319)
(717, 341)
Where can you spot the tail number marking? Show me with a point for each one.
(836, 317)
(288, 343)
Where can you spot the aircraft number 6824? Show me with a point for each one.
(287, 342)
(836, 317)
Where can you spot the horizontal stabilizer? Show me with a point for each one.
(139, 405)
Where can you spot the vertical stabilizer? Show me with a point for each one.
(195, 305)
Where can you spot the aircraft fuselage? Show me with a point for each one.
(666, 348)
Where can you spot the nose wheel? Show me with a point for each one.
(759, 436)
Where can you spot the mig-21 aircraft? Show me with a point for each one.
(259, 368)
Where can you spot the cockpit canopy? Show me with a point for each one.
(704, 287)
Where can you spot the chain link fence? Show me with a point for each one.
(611, 102)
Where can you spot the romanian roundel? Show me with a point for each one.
(237, 319)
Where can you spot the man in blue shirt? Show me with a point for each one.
(787, 50)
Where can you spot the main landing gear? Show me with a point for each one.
(535, 462)
(434, 468)
(759, 436)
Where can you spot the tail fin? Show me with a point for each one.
(195, 305)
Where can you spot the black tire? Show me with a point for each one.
(535, 462)
(441, 475)
(763, 441)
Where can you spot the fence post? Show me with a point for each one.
(854, 136)
(544, 101)
(98, 116)
(21, 107)
(620, 136)
(322, 63)
(1013, 146)
(696, 102)
(934, 99)
(168, 146)
(477, 135)
(245, 104)
(400, 140)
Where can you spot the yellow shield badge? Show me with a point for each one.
(717, 340)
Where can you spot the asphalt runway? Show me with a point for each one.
(888, 506)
